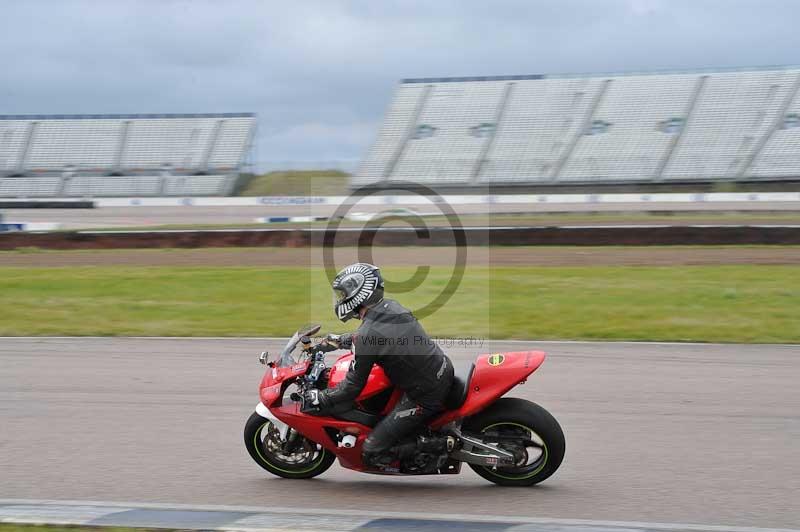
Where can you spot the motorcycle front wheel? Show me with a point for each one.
(527, 430)
(293, 457)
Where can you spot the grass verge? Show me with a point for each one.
(297, 183)
(14, 527)
(686, 303)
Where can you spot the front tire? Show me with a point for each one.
(307, 460)
(508, 418)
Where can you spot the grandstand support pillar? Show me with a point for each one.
(687, 116)
(412, 125)
(212, 144)
(487, 146)
(229, 185)
(121, 143)
(776, 125)
(585, 125)
(63, 186)
(248, 162)
(26, 147)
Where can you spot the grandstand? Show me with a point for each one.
(122, 155)
(667, 129)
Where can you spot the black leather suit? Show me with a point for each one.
(391, 337)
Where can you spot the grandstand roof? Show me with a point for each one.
(126, 116)
(709, 70)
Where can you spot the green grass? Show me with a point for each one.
(693, 303)
(14, 527)
(297, 183)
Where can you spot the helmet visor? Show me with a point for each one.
(338, 295)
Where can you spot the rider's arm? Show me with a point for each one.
(346, 341)
(332, 342)
(354, 381)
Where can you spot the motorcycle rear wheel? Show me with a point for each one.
(508, 418)
(308, 459)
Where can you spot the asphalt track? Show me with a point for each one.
(704, 434)
(109, 217)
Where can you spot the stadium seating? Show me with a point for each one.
(85, 145)
(734, 111)
(676, 127)
(779, 156)
(381, 157)
(540, 119)
(30, 187)
(211, 185)
(449, 153)
(13, 139)
(635, 143)
(122, 155)
(90, 186)
(105, 186)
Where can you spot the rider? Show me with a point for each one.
(391, 337)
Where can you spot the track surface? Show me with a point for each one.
(145, 216)
(672, 433)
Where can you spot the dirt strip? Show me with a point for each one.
(477, 256)
(633, 235)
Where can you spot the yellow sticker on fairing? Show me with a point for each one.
(496, 359)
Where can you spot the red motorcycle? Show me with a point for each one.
(511, 442)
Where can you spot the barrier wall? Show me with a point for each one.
(46, 204)
(7, 227)
(411, 199)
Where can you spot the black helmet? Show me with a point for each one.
(356, 286)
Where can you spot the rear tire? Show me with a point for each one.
(509, 415)
(309, 461)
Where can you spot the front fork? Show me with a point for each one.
(263, 411)
(315, 371)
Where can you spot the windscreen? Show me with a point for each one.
(286, 358)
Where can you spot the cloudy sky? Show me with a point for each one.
(320, 73)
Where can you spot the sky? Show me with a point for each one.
(320, 74)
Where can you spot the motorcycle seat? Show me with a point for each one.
(460, 388)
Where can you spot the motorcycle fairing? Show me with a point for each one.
(376, 382)
(494, 375)
(319, 428)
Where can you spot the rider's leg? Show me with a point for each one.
(407, 418)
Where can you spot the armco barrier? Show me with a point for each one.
(640, 235)
(453, 199)
(11, 226)
(46, 204)
(410, 199)
(28, 226)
